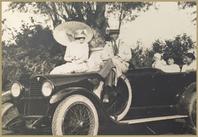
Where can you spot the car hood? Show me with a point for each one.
(59, 80)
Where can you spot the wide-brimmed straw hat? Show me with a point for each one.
(66, 32)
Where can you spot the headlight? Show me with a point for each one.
(16, 89)
(47, 88)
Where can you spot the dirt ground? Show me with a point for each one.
(155, 128)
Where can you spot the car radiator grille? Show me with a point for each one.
(34, 102)
(35, 89)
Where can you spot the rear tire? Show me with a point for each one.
(75, 115)
(191, 120)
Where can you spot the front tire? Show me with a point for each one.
(75, 115)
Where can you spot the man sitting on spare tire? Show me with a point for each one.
(120, 54)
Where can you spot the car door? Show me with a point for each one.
(169, 86)
(155, 93)
(144, 97)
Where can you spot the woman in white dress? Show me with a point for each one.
(76, 55)
(158, 63)
(75, 36)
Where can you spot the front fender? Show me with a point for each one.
(60, 95)
(6, 97)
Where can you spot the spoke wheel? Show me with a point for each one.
(76, 115)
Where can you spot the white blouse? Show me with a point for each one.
(124, 51)
(76, 52)
(159, 64)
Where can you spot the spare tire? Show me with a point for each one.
(120, 99)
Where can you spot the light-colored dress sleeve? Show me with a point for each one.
(95, 61)
(107, 52)
(67, 56)
(124, 52)
(159, 64)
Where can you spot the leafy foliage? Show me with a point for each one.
(158, 46)
(35, 52)
(173, 48)
(177, 47)
(92, 13)
(188, 4)
(141, 58)
(126, 10)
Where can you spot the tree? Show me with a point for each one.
(126, 10)
(188, 4)
(158, 46)
(35, 52)
(174, 48)
(178, 47)
(92, 13)
(141, 57)
(137, 59)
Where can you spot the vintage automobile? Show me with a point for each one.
(67, 104)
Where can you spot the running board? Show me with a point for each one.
(151, 119)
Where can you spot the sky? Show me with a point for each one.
(163, 23)
(14, 20)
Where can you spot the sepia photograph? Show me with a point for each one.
(99, 68)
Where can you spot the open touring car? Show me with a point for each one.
(66, 104)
